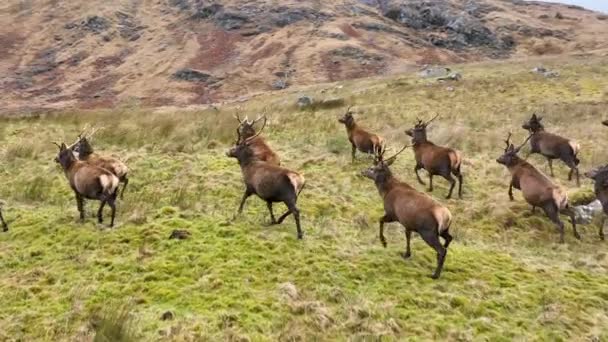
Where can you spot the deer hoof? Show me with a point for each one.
(405, 255)
(300, 236)
(578, 236)
(435, 276)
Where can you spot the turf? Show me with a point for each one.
(505, 278)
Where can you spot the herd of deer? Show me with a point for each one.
(96, 177)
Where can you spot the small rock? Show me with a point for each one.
(192, 75)
(289, 290)
(429, 72)
(304, 101)
(451, 77)
(180, 234)
(280, 84)
(450, 89)
(167, 316)
(584, 214)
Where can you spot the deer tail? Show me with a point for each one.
(443, 216)
(575, 149)
(455, 159)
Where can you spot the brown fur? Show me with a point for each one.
(359, 138)
(552, 146)
(416, 211)
(85, 153)
(538, 190)
(89, 182)
(260, 148)
(270, 182)
(436, 160)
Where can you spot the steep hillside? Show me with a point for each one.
(177, 52)
(506, 277)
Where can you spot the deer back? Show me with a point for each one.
(262, 151)
(553, 145)
(536, 187)
(272, 181)
(90, 181)
(111, 164)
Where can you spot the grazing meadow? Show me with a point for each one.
(506, 277)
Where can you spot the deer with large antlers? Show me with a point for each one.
(268, 181)
(415, 210)
(84, 151)
(88, 182)
(261, 150)
(436, 160)
(538, 190)
(359, 138)
(552, 146)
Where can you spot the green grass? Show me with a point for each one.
(505, 278)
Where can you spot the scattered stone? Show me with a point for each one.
(179, 234)
(167, 316)
(431, 71)
(96, 24)
(280, 84)
(585, 214)
(289, 290)
(304, 101)
(192, 75)
(450, 89)
(545, 72)
(451, 77)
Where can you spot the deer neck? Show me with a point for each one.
(385, 185)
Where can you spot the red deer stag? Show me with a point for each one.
(269, 182)
(261, 150)
(436, 160)
(415, 210)
(538, 189)
(359, 138)
(552, 146)
(88, 182)
(84, 152)
(600, 178)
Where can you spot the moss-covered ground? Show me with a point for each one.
(506, 276)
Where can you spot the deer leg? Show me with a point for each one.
(125, 180)
(533, 209)
(430, 182)
(384, 219)
(296, 214)
(112, 204)
(431, 237)
(511, 191)
(80, 205)
(603, 223)
(5, 226)
(272, 219)
(568, 211)
(447, 237)
(416, 168)
(459, 176)
(408, 250)
(551, 166)
(574, 169)
(353, 152)
(452, 185)
(100, 211)
(245, 197)
(553, 214)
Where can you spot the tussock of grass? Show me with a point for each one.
(505, 278)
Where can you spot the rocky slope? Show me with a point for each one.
(178, 52)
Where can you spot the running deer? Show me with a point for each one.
(436, 160)
(84, 151)
(415, 210)
(359, 138)
(600, 178)
(261, 149)
(4, 224)
(88, 182)
(268, 181)
(538, 190)
(552, 146)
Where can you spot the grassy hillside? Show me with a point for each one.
(505, 277)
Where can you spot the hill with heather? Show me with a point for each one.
(87, 54)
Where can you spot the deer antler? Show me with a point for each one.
(433, 119)
(524, 143)
(398, 153)
(258, 133)
(508, 141)
(348, 109)
(57, 144)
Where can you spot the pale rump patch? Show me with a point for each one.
(379, 144)
(297, 181)
(455, 159)
(120, 169)
(575, 147)
(561, 198)
(443, 217)
(109, 182)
